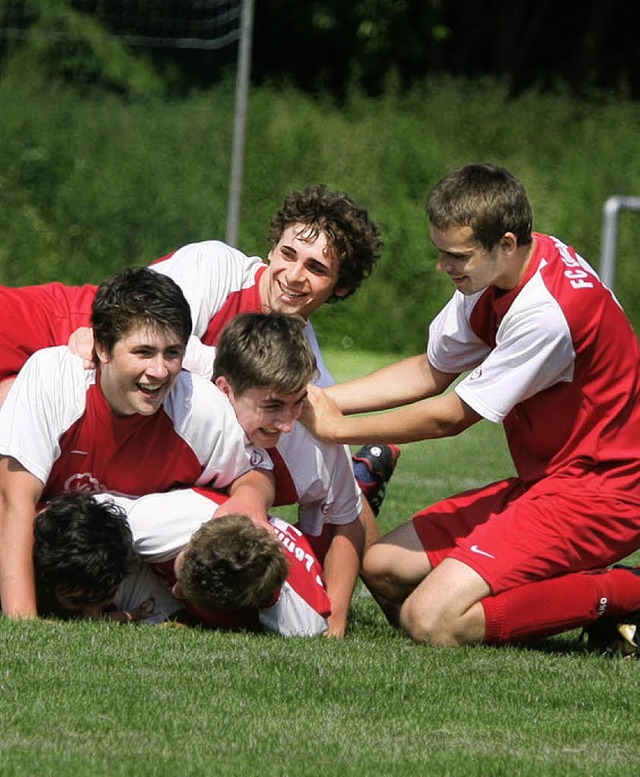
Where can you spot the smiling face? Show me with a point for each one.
(141, 369)
(302, 273)
(264, 414)
(472, 267)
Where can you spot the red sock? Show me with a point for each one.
(537, 610)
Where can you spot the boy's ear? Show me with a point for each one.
(177, 592)
(102, 354)
(223, 384)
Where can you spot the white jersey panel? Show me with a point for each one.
(48, 396)
(208, 272)
(291, 616)
(323, 477)
(205, 420)
(534, 350)
(325, 378)
(162, 524)
(143, 594)
(453, 345)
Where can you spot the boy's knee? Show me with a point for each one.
(379, 574)
(440, 627)
(422, 626)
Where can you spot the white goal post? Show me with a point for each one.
(612, 207)
(203, 25)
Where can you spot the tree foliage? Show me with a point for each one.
(331, 46)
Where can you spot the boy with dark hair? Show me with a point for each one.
(136, 424)
(323, 245)
(82, 552)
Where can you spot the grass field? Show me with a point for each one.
(98, 699)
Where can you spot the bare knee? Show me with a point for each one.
(381, 575)
(423, 625)
(442, 627)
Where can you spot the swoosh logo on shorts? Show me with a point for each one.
(476, 549)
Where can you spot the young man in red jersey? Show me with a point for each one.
(548, 352)
(322, 246)
(136, 424)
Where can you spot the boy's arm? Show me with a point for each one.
(432, 418)
(251, 494)
(20, 492)
(396, 384)
(341, 569)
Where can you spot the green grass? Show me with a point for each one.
(98, 699)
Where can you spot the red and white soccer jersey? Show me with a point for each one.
(145, 597)
(555, 360)
(162, 524)
(57, 423)
(318, 476)
(220, 282)
(35, 317)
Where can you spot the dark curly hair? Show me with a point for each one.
(351, 235)
(81, 545)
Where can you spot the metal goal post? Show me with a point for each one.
(611, 209)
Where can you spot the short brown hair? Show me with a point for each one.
(232, 564)
(265, 350)
(485, 197)
(139, 296)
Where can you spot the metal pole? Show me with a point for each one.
(612, 206)
(239, 122)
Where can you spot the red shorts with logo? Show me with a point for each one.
(511, 533)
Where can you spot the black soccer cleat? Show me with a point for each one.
(373, 466)
(616, 636)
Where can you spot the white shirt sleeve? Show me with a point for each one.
(534, 351)
(205, 419)
(208, 272)
(48, 396)
(453, 345)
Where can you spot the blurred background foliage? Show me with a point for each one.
(113, 156)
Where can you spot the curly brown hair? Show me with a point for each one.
(351, 234)
(232, 564)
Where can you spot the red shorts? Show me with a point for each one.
(512, 534)
(35, 317)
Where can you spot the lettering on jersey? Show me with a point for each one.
(602, 605)
(295, 550)
(83, 483)
(577, 272)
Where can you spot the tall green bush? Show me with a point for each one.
(92, 182)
